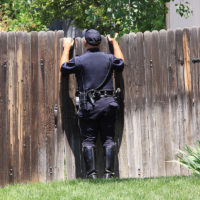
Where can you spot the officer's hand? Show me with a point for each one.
(68, 42)
(111, 40)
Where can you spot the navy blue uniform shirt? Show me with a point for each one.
(91, 69)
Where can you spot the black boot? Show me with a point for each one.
(89, 154)
(109, 156)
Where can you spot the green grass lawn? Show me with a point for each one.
(177, 188)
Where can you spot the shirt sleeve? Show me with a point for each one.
(118, 64)
(69, 67)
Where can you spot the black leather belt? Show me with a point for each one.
(106, 92)
(95, 94)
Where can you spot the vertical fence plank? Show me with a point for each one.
(143, 144)
(50, 105)
(198, 93)
(194, 101)
(12, 107)
(34, 105)
(121, 130)
(148, 93)
(171, 137)
(164, 101)
(4, 112)
(154, 154)
(26, 107)
(69, 124)
(130, 105)
(79, 162)
(43, 67)
(181, 89)
(185, 136)
(60, 134)
(19, 102)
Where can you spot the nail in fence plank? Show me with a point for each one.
(50, 105)
(43, 67)
(34, 106)
(4, 110)
(171, 137)
(26, 177)
(60, 134)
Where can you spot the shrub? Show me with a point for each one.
(190, 157)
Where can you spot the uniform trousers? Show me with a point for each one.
(99, 118)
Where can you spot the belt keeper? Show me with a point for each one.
(105, 94)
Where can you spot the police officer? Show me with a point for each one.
(97, 105)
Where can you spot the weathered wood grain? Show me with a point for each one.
(121, 131)
(128, 101)
(69, 123)
(154, 136)
(181, 117)
(50, 105)
(60, 133)
(12, 170)
(43, 67)
(3, 110)
(185, 136)
(19, 102)
(34, 106)
(194, 100)
(170, 138)
(26, 176)
(143, 140)
(148, 104)
(163, 115)
(198, 93)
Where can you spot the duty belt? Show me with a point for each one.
(101, 93)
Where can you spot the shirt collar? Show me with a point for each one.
(93, 50)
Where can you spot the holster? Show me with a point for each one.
(117, 95)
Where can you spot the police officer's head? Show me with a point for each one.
(92, 38)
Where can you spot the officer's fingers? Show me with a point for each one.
(72, 42)
(67, 41)
(109, 38)
(116, 34)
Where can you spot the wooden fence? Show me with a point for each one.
(159, 114)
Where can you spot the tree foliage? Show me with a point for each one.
(108, 16)
(17, 15)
